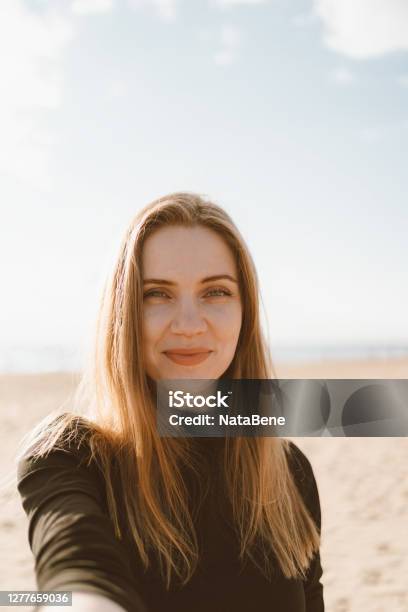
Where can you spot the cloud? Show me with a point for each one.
(231, 39)
(165, 9)
(342, 76)
(90, 7)
(31, 46)
(364, 28)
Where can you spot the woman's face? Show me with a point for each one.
(192, 308)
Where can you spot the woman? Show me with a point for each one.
(130, 520)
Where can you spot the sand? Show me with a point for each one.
(362, 482)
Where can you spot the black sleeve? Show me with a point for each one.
(71, 536)
(306, 482)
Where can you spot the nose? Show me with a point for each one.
(188, 319)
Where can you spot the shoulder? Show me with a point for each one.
(62, 489)
(61, 442)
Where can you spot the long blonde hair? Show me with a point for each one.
(120, 412)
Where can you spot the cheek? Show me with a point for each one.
(227, 321)
(154, 320)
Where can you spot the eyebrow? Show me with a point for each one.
(207, 279)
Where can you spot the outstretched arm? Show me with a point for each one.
(87, 602)
(71, 535)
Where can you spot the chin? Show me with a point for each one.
(192, 374)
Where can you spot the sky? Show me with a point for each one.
(293, 116)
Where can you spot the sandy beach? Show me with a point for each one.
(362, 483)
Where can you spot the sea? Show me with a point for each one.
(31, 360)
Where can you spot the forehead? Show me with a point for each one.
(190, 252)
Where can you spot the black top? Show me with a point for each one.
(75, 547)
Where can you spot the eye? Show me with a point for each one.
(218, 292)
(155, 293)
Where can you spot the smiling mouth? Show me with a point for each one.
(187, 358)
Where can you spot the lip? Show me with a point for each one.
(185, 356)
(188, 351)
